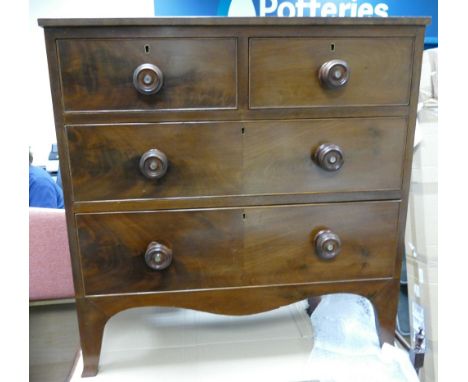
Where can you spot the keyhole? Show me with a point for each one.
(332, 47)
(147, 49)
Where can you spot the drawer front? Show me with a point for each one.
(203, 159)
(236, 247)
(235, 158)
(284, 72)
(280, 156)
(197, 73)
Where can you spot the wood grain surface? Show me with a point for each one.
(380, 71)
(204, 159)
(236, 158)
(236, 21)
(219, 248)
(97, 74)
(278, 155)
(239, 116)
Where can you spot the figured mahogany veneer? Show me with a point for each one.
(98, 74)
(235, 158)
(220, 248)
(380, 71)
(233, 165)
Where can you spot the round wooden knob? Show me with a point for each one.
(334, 74)
(153, 164)
(158, 256)
(147, 79)
(329, 157)
(327, 244)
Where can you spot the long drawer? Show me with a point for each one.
(217, 248)
(237, 158)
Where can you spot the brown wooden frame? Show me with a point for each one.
(94, 311)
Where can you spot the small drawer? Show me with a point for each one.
(113, 162)
(148, 73)
(217, 248)
(324, 155)
(305, 72)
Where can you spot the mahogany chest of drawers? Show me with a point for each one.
(233, 165)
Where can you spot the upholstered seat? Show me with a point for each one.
(50, 274)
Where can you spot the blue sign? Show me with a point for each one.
(303, 8)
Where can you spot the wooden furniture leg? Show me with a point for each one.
(93, 313)
(91, 321)
(385, 303)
